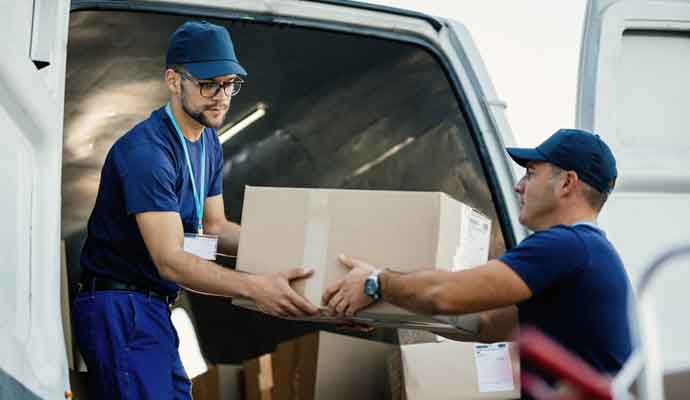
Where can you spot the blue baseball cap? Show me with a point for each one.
(204, 49)
(574, 150)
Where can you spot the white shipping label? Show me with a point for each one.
(477, 238)
(494, 369)
(473, 249)
(204, 246)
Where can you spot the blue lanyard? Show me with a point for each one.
(198, 196)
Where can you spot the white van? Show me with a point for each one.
(339, 94)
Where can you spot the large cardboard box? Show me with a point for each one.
(458, 370)
(320, 366)
(284, 228)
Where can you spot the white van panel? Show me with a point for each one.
(653, 114)
(33, 362)
(16, 172)
(658, 224)
(633, 88)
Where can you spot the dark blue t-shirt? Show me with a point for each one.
(145, 170)
(579, 292)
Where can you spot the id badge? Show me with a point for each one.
(204, 246)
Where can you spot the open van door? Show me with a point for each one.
(633, 91)
(32, 75)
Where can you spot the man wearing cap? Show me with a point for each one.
(566, 278)
(157, 224)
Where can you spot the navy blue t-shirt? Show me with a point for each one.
(579, 292)
(146, 170)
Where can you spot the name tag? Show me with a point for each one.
(204, 246)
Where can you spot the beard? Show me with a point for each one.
(198, 116)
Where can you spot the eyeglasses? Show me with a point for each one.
(211, 88)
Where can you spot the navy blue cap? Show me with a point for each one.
(204, 49)
(574, 150)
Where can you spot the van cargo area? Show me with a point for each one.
(342, 110)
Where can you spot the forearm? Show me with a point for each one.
(199, 275)
(448, 293)
(412, 291)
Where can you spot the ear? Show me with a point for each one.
(172, 81)
(570, 182)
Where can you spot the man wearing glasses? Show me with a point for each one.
(157, 224)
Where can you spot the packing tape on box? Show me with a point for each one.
(316, 243)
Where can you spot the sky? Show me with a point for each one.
(531, 49)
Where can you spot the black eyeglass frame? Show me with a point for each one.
(236, 84)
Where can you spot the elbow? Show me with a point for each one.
(164, 265)
(167, 274)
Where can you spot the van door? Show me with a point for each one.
(633, 91)
(32, 75)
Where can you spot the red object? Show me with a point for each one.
(539, 390)
(561, 364)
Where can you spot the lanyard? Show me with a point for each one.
(198, 196)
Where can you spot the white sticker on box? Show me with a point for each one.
(494, 370)
(473, 249)
(477, 239)
(204, 246)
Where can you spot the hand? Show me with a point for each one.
(273, 294)
(346, 297)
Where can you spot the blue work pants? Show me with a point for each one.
(130, 346)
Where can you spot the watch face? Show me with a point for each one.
(370, 287)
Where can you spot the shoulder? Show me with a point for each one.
(151, 132)
(547, 257)
(146, 145)
(559, 242)
(558, 237)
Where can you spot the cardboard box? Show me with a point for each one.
(283, 228)
(320, 366)
(458, 370)
(205, 386)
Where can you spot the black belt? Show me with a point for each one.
(100, 284)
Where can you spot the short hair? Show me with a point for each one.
(594, 197)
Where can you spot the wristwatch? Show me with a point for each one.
(372, 287)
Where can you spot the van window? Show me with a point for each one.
(319, 109)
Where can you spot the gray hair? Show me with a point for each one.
(594, 197)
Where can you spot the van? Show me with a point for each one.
(340, 94)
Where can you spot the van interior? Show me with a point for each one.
(320, 108)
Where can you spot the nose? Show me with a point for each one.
(220, 94)
(519, 185)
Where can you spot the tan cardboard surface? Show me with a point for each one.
(284, 228)
(447, 370)
(322, 366)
